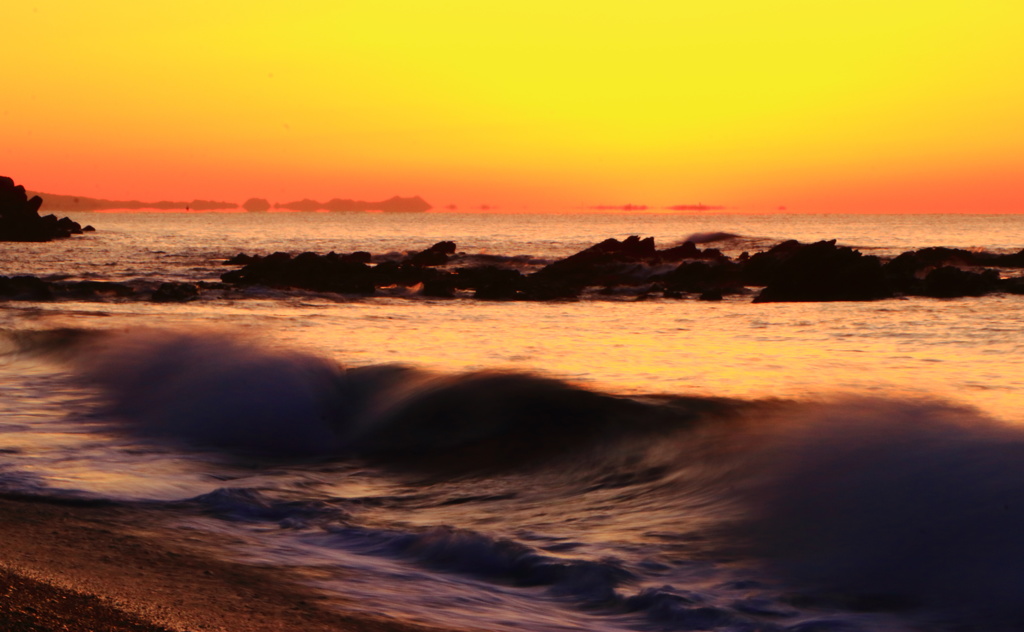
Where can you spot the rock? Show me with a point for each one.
(436, 255)
(20, 220)
(25, 288)
(94, 290)
(951, 282)
(722, 277)
(763, 267)
(175, 293)
(239, 260)
(609, 263)
(917, 264)
(689, 250)
(1013, 285)
(823, 271)
(439, 288)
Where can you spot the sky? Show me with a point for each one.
(850, 106)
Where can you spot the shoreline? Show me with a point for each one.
(96, 566)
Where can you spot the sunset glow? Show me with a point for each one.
(847, 107)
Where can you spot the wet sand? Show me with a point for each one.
(97, 567)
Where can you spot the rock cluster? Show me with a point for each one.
(20, 219)
(633, 268)
(791, 271)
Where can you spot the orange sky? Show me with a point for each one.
(818, 106)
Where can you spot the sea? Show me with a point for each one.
(611, 463)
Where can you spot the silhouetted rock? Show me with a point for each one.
(439, 288)
(20, 220)
(256, 205)
(918, 263)
(688, 250)
(92, 290)
(25, 288)
(239, 260)
(175, 293)
(1014, 285)
(951, 282)
(436, 255)
(1015, 260)
(762, 268)
(722, 277)
(823, 271)
(611, 262)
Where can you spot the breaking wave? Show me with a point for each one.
(864, 504)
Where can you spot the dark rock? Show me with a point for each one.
(823, 271)
(359, 256)
(95, 290)
(25, 288)
(320, 273)
(1013, 285)
(689, 250)
(436, 255)
(951, 282)
(175, 293)
(700, 276)
(763, 267)
(1015, 260)
(609, 263)
(918, 263)
(439, 288)
(239, 260)
(483, 276)
(20, 220)
(711, 295)
(498, 292)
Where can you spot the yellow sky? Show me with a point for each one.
(819, 106)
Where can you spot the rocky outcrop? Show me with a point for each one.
(821, 271)
(20, 219)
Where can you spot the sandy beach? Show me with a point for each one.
(97, 567)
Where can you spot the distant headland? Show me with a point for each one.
(81, 203)
(396, 204)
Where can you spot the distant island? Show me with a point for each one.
(694, 207)
(644, 207)
(79, 203)
(621, 207)
(394, 204)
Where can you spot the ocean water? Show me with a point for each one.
(601, 464)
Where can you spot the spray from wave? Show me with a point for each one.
(874, 503)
